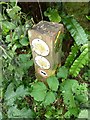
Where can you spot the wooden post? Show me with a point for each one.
(45, 40)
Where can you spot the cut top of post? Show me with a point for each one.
(48, 28)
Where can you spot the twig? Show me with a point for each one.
(40, 9)
(5, 52)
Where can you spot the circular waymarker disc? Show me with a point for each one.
(42, 62)
(43, 73)
(40, 47)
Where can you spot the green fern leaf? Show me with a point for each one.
(66, 89)
(83, 47)
(76, 30)
(79, 63)
(72, 55)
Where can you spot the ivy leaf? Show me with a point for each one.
(8, 38)
(39, 91)
(27, 65)
(63, 72)
(21, 91)
(25, 61)
(16, 9)
(14, 112)
(11, 95)
(8, 25)
(13, 12)
(50, 98)
(24, 57)
(53, 15)
(24, 41)
(9, 92)
(53, 83)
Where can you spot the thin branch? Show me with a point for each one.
(40, 9)
(5, 52)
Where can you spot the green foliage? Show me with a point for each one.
(83, 114)
(72, 55)
(11, 95)
(61, 96)
(39, 91)
(13, 112)
(8, 25)
(79, 63)
(86, 75)
(88, 17)
(50, 82)
(62, 73)
(76, 30)
(66, 88)
(71, 112)
(50, 98)
(24, 41)
(73, 93)
(25, 62)
(13, 12)
(53, 15)
(73, 62)
(16, 61)
(0, 115)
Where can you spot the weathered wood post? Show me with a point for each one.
(45, 40)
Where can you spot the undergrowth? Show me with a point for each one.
(22, 95)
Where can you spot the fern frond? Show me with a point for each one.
(79, 63)
(84, 47)
(72, 55)
(66, 88)
(77, 32)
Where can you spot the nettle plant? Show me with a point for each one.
(23, 95)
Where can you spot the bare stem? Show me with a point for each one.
(40, 9)
(5, 52)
